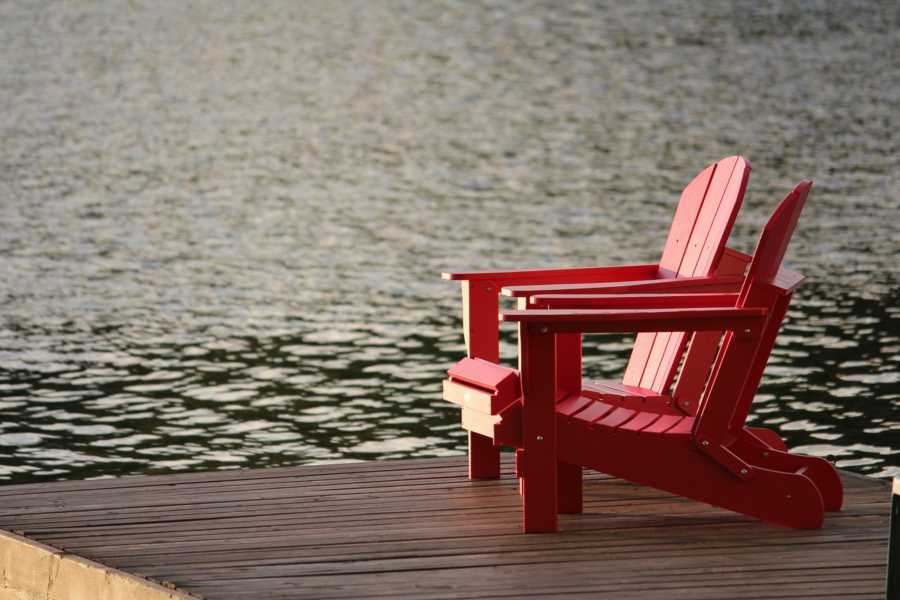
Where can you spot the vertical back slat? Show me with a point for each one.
(703, 347)
(695, 244)
(707, 242)
(717, 203)
(686, 212)
(721, 226)
(689, 206)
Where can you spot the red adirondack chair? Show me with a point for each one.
(694, 259)
(710, 456)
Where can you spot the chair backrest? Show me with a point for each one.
(741, 362)
(773, 241)
(703, 220)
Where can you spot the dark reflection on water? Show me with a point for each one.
(223, 222)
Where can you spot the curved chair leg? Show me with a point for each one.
(672, 462)
(819, 470)
(790, 499)
(484, 457)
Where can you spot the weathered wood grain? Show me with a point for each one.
(420, 529)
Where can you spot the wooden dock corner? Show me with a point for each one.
(30, 570)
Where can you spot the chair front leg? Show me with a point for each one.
(568, 383)
(481, 329)
(537, 356)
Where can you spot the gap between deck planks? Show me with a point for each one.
(420, 529)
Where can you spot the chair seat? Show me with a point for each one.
(604, 413)
(635, 398)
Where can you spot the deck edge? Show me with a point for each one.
(30, 570)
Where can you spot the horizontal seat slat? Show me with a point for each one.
(616, 418)
(684, 427)
(640, 421)
(595, 411)
(572, 405)
(662, 424)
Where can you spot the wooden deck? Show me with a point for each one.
(419, 529)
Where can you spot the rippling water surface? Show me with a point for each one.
(223, 222)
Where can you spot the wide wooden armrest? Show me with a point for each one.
(560, 275)
(708, 284)
(634, 301)
(745, 320)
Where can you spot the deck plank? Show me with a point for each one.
(419, 529)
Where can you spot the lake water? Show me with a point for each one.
(223, 222)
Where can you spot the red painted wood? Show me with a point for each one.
(712, 457)
(572, 405)
(684, 427)
(714, 219)
(570, 274)
(713, 247)
(704, 345)
(676, 319)
(778, 309)
(477, 372)
(617, 417)
(484, 458)
(743, 359)
(569, 488)
(568, 364)
(482, 334)
(653, 361)
(665, 371)
(539, 482)
(597, 388)
(640, 421)
(697, 365)
(711, 283)
(776, 235)
(508, 431)
(817, 469)
(631, 301)
(673, 463)
(662, 424)
(606, 386)
(733, 262)
(479, 291)
(597, 410)
(480, 329)
(689, 207)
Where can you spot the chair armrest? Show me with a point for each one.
(561, 275)
(708, 284)
(746, 320)
(634, 301)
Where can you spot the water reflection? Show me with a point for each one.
(223, 225)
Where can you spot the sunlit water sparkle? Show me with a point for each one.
(223, 222)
